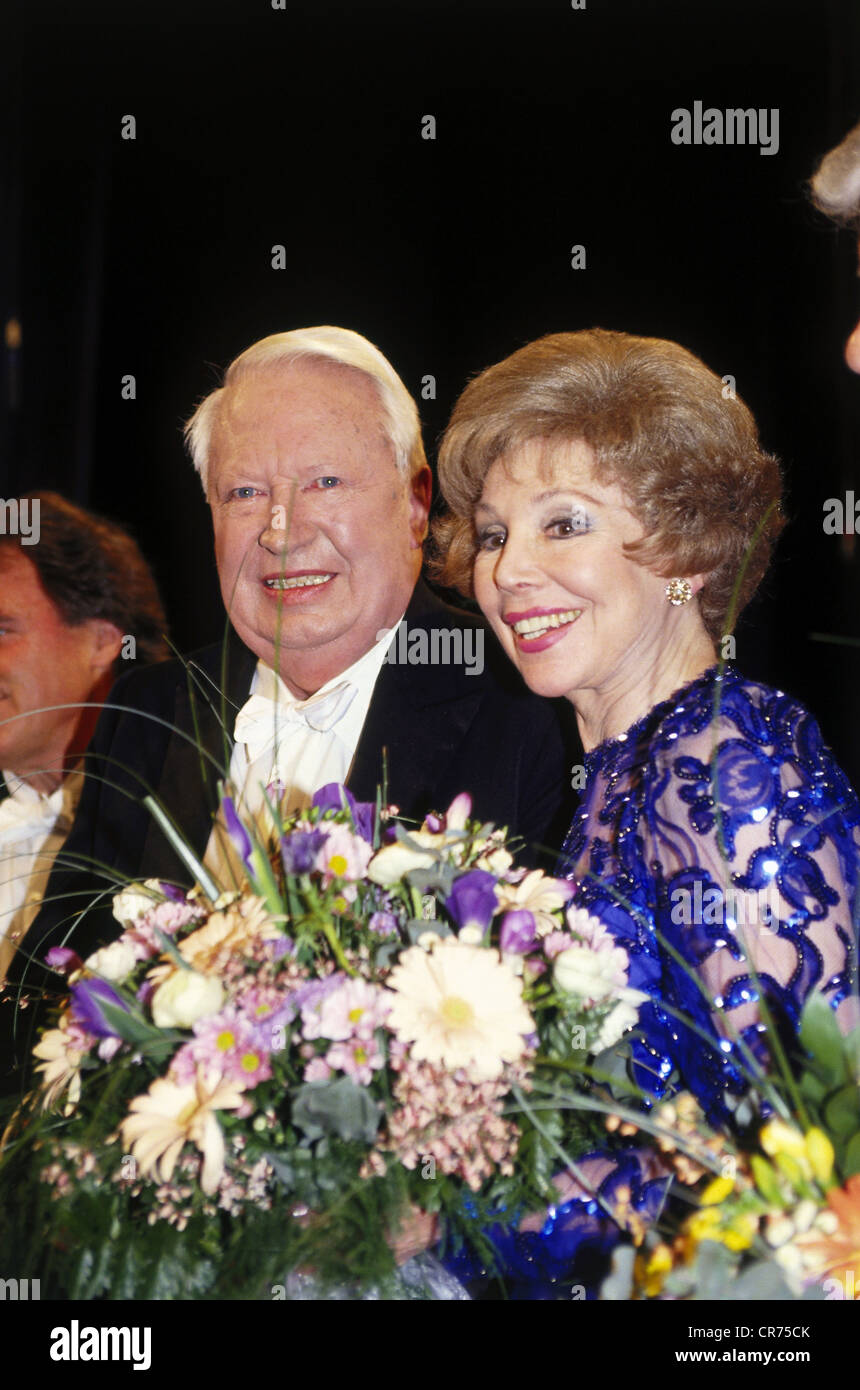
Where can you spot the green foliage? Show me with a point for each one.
(830, 1081)
(335, 1107)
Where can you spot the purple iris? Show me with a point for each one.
(171, 892)
(63, 960)
(335, 797)
(145, 992)
(472, 900)
(87, 999)
(300, 849)
(236, 830)
(518, 933)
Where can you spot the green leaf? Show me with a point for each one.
(842, 1111)
(820, 1035)
(812, 1088)
(762, 1282)
(714, 1267)
(128, 1026)
(617, 1287)
(185, 852)
(851, 1157)
(169, 948)
(851, 1044)
(417, 926)
(335, 1107)
(766, 1180)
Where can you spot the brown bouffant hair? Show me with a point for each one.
(91, 568)
(658, 423)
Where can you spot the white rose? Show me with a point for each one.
(389, 865)
(114, 962)
(184, 997)
(589, 974)
(134, 901)
(623, 1016)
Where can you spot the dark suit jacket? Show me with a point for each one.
(443, 731)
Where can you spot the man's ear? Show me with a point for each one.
(105, 644)
(420, 494)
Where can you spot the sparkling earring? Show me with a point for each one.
(679, 591)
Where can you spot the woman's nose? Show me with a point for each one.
(515, 566)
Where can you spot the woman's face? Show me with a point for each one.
(575, 615)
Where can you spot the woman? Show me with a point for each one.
(613, 512)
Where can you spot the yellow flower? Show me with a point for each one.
(819, 1151)
(652, 1270)
(716, 1191)
(779, 1138)
(169, 1116)
(739, 1234)
(703, 1223)
(460, 1006)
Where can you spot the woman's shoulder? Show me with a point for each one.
(723, 704)
(748, 739)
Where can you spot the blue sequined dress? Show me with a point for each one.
(720, 814)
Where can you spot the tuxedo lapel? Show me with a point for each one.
(203, 719)
(418, 719)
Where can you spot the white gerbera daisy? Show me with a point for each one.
(461, 1006)
(160, 1123)
(542, 896)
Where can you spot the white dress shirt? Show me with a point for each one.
(33, 827)
(300, 744)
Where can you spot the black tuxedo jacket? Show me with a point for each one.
(442, 729)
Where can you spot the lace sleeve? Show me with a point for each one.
(751, 831)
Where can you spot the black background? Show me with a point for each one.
(302, 127)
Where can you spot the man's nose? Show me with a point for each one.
(290, 522)
(852, 350)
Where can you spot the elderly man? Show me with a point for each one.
(312, 463)
(73, 591)
(836, 192)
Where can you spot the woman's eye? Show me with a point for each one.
(326, 482)
(565, 526)
(242, 494)
(490, 540)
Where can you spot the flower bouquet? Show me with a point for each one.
(771, 1211)
(257, 1086)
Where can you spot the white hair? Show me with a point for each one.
(836, 184)
(399, 411)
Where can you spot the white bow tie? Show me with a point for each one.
(261, 721)
(21, 817)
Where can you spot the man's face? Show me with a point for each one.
(317, 534)
(43, 662)
(852, 347)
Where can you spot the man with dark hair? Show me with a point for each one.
(836, 193)
(76, 595)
